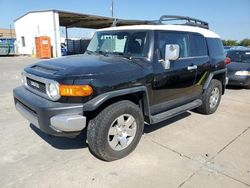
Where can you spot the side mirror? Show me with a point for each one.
(172, 52)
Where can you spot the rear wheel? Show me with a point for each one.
(115, 131)
(247, 87)
(211, 98)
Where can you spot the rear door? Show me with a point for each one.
(200, 59)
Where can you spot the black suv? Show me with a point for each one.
(129, 75)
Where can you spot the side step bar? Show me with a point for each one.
(176, 111)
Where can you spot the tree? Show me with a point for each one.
(230, 42)
(245, 42)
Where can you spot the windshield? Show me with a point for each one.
(132, 43)
(239, 56)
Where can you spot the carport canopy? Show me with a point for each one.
(79, 20)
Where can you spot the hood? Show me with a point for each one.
(235, 66)
(82, 65)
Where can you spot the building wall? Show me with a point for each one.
(37, 24)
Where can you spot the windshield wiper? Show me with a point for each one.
(121, 54)
(99, 52)
(89, 52)
(130, 57)
(114, 53)
(92, 52)
(102, 53)
(125, 55)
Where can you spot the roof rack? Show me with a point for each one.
(190, 21)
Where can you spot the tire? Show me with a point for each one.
(106, 133)
(247, 87)
(209, 106)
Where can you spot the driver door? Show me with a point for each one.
(174, 86)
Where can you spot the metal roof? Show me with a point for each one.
(69, 19)
(80, 20)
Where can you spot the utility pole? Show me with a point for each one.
(112, 9)
(10, 31)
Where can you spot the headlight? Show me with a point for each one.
(242, 73)
(53, 91)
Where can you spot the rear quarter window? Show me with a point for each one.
(215, 47)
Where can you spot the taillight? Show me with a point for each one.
(227, 60)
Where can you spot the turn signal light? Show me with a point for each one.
(75, 90)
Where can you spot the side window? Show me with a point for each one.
(137, 44)
(198, 45)
(173, 38)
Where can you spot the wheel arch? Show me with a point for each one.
(218, 75)
(137, 95)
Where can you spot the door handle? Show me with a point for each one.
(193, 67)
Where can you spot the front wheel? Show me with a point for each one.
(211, 98)
(115, 131)
(247, 87)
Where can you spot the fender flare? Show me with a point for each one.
(212, 74)
(94, 103)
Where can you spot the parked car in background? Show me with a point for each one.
(227, 48)
(239, 48)
(63, 49)
(239, 68)
(7, 46)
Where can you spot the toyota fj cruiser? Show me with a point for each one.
(129, 75)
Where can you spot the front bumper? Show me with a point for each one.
(53, 118)
(238, 80)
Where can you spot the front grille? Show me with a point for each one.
(36, 85)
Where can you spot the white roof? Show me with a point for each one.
(204, 32)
